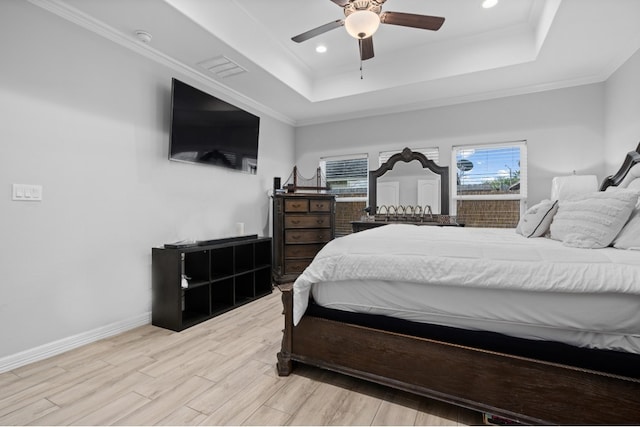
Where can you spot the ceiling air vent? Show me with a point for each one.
(222, 67)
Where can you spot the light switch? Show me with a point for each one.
(36, 192)
(18, 192)
(27, 192)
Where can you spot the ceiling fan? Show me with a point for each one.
(362, 18)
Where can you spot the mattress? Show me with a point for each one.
(593, 320)
(484, 279)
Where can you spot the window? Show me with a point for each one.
(432, 154)
(347, 177)
(491, 183)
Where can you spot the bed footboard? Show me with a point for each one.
(527, 390)
(285, 364)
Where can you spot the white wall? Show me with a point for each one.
(564, 129)
(88, 120)
(622, 121)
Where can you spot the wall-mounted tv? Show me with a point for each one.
(205, 129)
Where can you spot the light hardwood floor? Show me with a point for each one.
(221, 372)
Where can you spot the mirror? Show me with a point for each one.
(409, 184)
(410, 179)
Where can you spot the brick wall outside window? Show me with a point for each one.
(474, 213)
(347, 212)
(489, 213)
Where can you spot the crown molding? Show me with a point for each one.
(71, 14)
(457, 100)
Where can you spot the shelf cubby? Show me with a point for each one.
(196, 266)
(262, 254)
(222, 295)
(262, 280)
(244, 259)
(196, 304)
(244, 287)
(222, 262)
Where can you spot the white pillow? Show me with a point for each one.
(594, 220)
(629, 237)
(536, 220)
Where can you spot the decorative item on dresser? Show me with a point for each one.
(302, 224)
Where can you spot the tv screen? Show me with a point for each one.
(205, 129)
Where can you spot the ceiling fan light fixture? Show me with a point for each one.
(362, 24)
(487, 4)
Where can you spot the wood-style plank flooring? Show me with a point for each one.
(220, 372)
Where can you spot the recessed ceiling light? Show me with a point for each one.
(321, 48)
(489, 3)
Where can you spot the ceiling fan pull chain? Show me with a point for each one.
(360, 48)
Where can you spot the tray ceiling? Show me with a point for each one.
(516, 47)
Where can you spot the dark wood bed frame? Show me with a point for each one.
(528, 390)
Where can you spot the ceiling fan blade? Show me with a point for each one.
(424, 22)
(366, 48)
(317, 31)
(341, 3)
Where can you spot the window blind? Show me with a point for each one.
(346, 176)
(491, 170)
(432, 153)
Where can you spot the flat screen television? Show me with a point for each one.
(205, 129)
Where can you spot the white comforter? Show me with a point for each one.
(478, 257)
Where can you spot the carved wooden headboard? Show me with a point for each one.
(631, 161)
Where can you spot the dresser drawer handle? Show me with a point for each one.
(320, 221)
(295, 221)
(319, 205)
(295, 236)
(296, 205)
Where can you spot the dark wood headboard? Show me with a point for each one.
(632, 159)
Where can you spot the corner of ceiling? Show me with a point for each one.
(266, 52)
(542, 20)
(60, 8)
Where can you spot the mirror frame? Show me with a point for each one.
(407, 156)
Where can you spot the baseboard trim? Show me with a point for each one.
(45, 351)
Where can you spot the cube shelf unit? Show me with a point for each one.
(221, 275)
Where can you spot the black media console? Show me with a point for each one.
(195, 283)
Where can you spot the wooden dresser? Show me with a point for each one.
(302, 224)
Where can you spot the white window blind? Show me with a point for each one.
(432, 154)
(346, 176)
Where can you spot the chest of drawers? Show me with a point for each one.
(302, 225)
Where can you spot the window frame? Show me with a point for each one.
(323, 170)
(522, 196)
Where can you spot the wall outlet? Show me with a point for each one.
(27, 192)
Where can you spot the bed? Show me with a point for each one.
(561, 347)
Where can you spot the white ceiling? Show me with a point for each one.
(519, 46)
